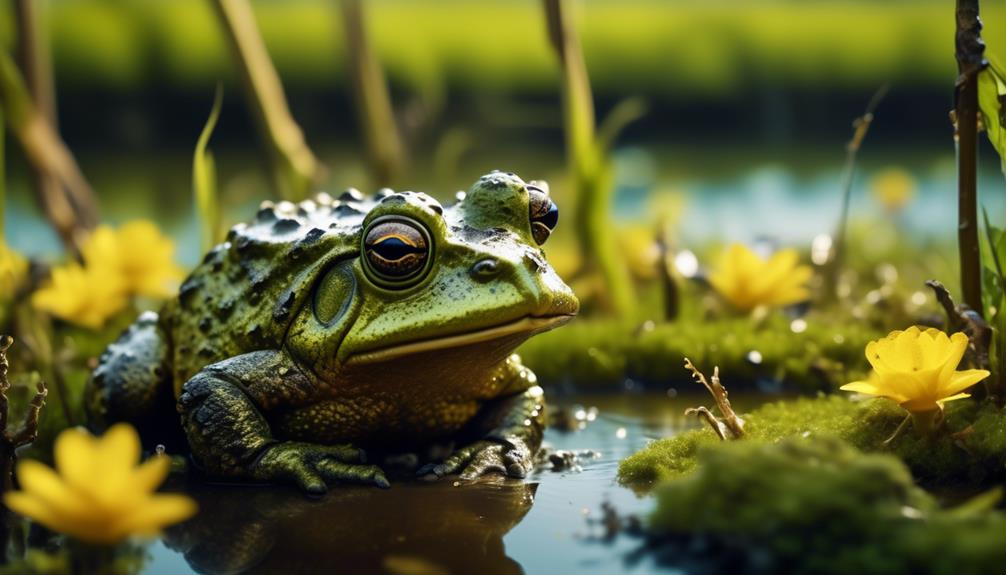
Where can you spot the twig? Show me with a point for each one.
(860, 127)
(73, 211)
(969, 50)
(10, 441)
(373, 102)
(729, 426)
(960, 317)
(296, 169)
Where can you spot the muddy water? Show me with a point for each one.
(547, 524)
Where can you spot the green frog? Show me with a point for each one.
(326, 329)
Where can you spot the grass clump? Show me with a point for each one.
(970, 451)
(818, 505)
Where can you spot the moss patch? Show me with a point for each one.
(604, 353)
(960, 456)
(818, 505)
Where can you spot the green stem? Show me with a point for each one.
(296, 170)
(590, 169)
(373, 102)
(970, 61)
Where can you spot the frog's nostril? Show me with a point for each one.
(486, 269)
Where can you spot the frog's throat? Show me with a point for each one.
(528, 325)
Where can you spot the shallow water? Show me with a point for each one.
(541, 525)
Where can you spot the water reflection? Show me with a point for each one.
(412, 528)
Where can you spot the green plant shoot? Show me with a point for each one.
(204, 179)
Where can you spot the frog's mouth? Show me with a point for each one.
(526, 326)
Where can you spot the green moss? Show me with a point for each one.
(603, 353)
(819, 505)
(958, 456)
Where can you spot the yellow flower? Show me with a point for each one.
(83, 296)
(13, 269)
(918, 369)
(98, 493)
(747, 281)
(139, 253)
(893, 188)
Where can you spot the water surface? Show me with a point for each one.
(542, 525)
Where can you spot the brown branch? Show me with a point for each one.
(36, 65)
(10, 442)
(969, 50)
(730, 421)
(960, 317)
(73, 211)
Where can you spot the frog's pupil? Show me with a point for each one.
(551, 217)
(394, 249)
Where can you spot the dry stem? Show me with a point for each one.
(730, 425)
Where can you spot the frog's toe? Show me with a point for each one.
(487, 461)
(336, 471)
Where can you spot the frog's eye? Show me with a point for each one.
(396, 252)
(543, 212)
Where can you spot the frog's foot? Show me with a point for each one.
(313, 467)
(510, 458)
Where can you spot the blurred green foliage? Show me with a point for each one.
(675, 48)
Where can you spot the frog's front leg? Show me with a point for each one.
(516, 423)
(223, 411)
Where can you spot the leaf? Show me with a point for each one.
(991, 96)
(204, 178)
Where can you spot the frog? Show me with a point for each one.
(325, 330)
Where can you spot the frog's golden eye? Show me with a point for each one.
(543, 212)
(396, 251)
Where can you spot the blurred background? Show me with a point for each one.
(749, 104)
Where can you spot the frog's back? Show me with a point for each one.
(247, 290)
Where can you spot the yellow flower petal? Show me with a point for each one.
(45, 486)
(962, 380)
(954, 398)
(28, 506)
(918, 368)
(747, 281)
(157, 512)
(100, 495)
(74, 453)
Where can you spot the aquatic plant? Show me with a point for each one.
(385, 151)
(296, 170)
(204, 179)
(918, 369)
(587, 148)
(99, 492)
(746, 280)
(70, 206)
